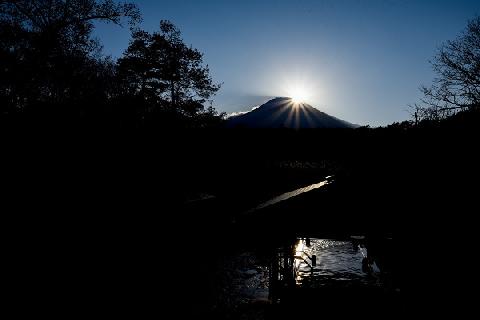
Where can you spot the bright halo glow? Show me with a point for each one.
(299, 95)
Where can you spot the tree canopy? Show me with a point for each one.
(51, 67)
(457, 83)
(166, 74)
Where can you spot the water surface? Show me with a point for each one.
(338, 263)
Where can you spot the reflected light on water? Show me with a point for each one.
(337, 261)
(299, 258)
(299, 248)
(292, 194)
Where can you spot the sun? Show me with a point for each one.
(299, 95)
(297, 99)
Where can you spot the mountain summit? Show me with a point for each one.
(283, 113)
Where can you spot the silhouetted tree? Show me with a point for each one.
(52, 69)
(169, 77)
(457, 85)
(47, 55)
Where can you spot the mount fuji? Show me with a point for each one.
(284, 113)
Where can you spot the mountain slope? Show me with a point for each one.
(283, 113)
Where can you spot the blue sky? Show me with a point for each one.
(362, 61)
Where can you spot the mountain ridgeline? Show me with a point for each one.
(283, 113)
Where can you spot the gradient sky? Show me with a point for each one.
(362, 61)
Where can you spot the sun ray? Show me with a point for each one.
(291, 112)
(283, 109)
(297, 115)
(308, 116)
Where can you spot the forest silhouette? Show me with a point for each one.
(54, 73)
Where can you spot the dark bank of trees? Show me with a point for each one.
(52, 71)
